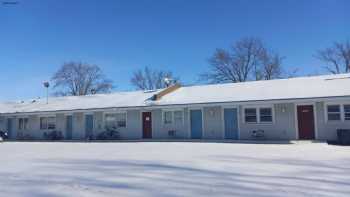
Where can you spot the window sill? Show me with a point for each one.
(260, 123)
(336, 121)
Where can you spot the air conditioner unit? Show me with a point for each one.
(172, 133)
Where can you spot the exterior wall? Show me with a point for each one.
(133, 125)
(78, 126)
(2, 123)
(34, 127)
(98, 123)
(33, 130)
(15, 132)
(61, 123)
(283, 127)
(133, 128)
(161, 130)
(14, 128)
(212, 123)
(157, 130)
(186, 128)
(328, 130)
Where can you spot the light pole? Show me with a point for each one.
(47, 85)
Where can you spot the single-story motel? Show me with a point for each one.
(285, 109)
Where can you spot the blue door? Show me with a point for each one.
(69, 127)
(196, 124)
(231, 123)
(89, 126)
(10, 128)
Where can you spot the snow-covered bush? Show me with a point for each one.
(343, 136)
(3, 135)
(109, 134)
(1, 140)
(53, 135)
(22, 136)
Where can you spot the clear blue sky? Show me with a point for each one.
(37, 36)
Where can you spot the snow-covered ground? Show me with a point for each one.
(173, 169)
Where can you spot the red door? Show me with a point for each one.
(306, 122)
(147, 124)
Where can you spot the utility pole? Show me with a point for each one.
(47, 85)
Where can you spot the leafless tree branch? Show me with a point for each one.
(247, 59)
(336, 58)
(148, 79)
(77, 78)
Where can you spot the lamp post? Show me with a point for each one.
(47, 85)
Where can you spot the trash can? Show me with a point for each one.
(343, 136)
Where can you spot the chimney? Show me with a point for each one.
(166, 91)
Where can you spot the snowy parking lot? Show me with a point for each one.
(173, 169)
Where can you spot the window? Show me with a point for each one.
(117, 120)
(43, 123)
(47, 123)
(22, 123)
(265, 114)
(347, 112)
(173, 117)
(258, 115)
(121, 120)
(333, 112)
(168, 117)
(250, 115)
(178, 117)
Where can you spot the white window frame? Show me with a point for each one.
(256, 115)
(258, 119)
(47, 123)
(259, 114)
(340, 112)
(115, 112)
(182, 116)
(343, 113)
(25, 126)
(173, 116)
(168, 122)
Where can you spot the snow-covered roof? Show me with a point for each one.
(68, 103)
(280, 89)
(292, 88)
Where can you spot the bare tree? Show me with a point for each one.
(148, 79)
(247, 59)
(77, 78)
(336, 58)
(271, 66)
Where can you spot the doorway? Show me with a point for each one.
(196, 119)
(306, 122)
(231, 123)
(147, 124)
